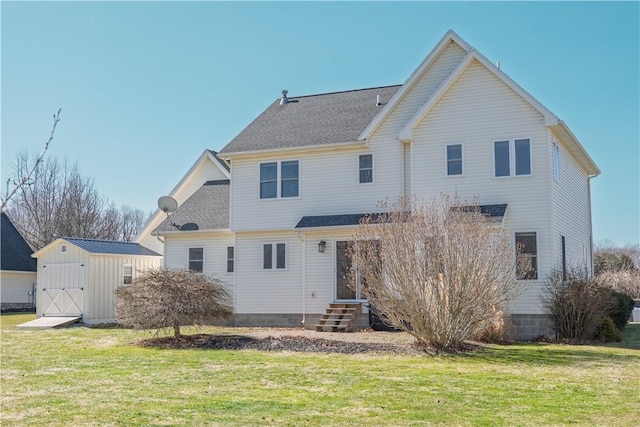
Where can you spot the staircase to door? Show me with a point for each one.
(339, 317)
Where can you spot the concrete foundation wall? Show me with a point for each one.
(531, 326)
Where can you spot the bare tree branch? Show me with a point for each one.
(19, 182)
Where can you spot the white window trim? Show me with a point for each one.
(279, 179)
(512, 157)
(124, 275)
(204, 257)
(274, 256)
(556, 159)
(537, 233)
(373, 168)
(446, 160)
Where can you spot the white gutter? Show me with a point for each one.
(304, 277)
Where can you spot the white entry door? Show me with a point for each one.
(62, 289)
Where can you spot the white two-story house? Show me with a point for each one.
(280, 202)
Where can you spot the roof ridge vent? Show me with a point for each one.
(284, 98)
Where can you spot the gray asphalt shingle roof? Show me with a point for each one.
(110, 247)
(16, 253)
(312, 120)
(206, 209)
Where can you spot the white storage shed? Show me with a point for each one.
(78, 277)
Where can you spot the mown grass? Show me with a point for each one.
(82, 376)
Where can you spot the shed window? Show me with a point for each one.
(127, 274)
(196, 259)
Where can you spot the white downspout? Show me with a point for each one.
(304, 277)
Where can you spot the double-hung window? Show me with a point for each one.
(274, 256)
(230, 258)
(454, 159)
(512, 157)
(127, 274)
(196, 259)
(527, 256)
(279, 179)
(365, 168)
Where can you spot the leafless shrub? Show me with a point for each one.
(164, 298)
(576, 305)
(441, 272)
(626, 282)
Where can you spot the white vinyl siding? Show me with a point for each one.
(15, 287)
(280, 290)
(338, 166)
(480, 109)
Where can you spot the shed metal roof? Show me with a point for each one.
(110, 247)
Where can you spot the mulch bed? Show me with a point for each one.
(284, 343)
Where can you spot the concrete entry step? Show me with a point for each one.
(48, 322)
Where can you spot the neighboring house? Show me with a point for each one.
(309, 167)
(17, 269)
(78, 277)
(207, 167)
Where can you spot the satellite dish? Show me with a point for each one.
(167, 204)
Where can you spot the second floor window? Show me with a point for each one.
(512, 157)
(454, 159)
(365, 167)
(196, 259)
(286, 173)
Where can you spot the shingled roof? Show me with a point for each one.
(16, 253)
(206, 209)
(112, 247)
(312, 120)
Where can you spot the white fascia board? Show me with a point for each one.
(42, 250)
(216, 162)
(191, 232)
(294, 150)
(576, 149)
(406, 133)
(450, 36)
(206, 155)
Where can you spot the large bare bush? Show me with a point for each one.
(576, 303)
(441, 272)
(165, 298)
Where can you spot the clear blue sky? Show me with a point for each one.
(146, 87)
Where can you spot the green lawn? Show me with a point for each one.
(82, 376)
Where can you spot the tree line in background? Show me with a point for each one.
(58, 201)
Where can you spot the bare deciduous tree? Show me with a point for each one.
(164, 298)
(441, 272)
(59, 201)
(24, 178)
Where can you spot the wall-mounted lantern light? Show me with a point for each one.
(322, 246)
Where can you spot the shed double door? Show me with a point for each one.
(62, 289)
